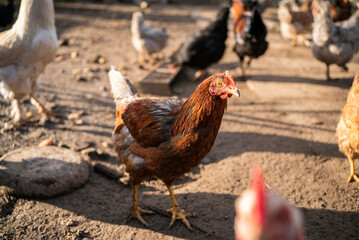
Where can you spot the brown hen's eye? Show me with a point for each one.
(219, 84)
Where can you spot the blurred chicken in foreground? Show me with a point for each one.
(249, 30)
(295, 21)
(146, 40)
(166, 138)
(204, 47)
(334, 43)
(25, 51)
(348, 128)
(264, 215)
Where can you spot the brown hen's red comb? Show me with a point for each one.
(230, 78)
(259, 190)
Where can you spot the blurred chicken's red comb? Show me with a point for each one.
(259, 190)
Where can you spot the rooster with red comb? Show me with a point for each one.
(166, 138)
(264, 215)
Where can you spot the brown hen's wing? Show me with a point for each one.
(149, 120)
(350, 115)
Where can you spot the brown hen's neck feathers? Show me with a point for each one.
(200, 110)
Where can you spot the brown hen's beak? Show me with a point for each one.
(233, 91)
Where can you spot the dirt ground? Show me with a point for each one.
(285, 120)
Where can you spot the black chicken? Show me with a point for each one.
(7, 14)
(204, 47)
(250, 32)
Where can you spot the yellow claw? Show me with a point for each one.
(177, 212)
(136, 211)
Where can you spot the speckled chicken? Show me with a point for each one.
(348, 128)
(25, 51)
(334, 43)
(295, 21)
(166, 138)
(265, 215)
(146, 40)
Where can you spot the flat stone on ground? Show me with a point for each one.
(42, 171)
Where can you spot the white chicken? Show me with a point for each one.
(146, 40)
(334, 43)
(25, 51)
(264, 215)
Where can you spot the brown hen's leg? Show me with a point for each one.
(352, 175)
(177, 212)
(42, 108)
(136, 211)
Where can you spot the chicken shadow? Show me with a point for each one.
(233, 144)
(330, 224)
(102, 201)
(344, 83)
(105, 11)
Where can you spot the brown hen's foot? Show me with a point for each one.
(352, 177)
(178, 213)
(136, 212)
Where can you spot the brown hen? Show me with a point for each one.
(166, 138)
(348, 128)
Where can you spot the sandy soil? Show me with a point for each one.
(284, 120)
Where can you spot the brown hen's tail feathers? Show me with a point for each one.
(122, 89)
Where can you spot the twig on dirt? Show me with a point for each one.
(111, 173)
(106, 171)
(163, 213)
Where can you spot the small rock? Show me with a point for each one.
(59, 58)
(81, 145)
(79, 122)
(61, 144)
(75, 115)
(95, 154)
(76, 71)
(80, 78)
(28, 115)
(107, 144)
(72, 41)
(72, 223)
(98, 59)
(63, 42)
(116, 23)
(45, 142)
(86, 70)
(74, 54)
